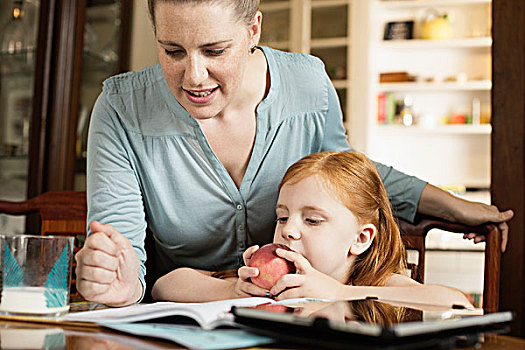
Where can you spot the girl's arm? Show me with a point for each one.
(405, 290)
(191, 285)
(308, 282)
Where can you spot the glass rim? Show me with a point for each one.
(49, 237)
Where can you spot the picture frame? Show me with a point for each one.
(399, 30)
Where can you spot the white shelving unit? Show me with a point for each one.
(442, 154)
(318, 27)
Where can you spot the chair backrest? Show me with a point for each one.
(414, 235)
(61, 213)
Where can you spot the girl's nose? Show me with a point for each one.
(290, 232)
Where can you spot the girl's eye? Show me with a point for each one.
(172, 52)
(282, 220)
(313, 221)
(216, 52)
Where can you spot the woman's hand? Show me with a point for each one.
(442, 204)
(474, 213)
(307, 282)
(107, 268)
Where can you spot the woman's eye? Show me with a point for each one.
(216, 52)
(173, 52)
(282, 220)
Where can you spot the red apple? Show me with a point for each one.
(271, 267)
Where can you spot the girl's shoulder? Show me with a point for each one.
(398, 280)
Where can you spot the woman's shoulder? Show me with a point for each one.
(291, 63)
(130, 81)
(301, 78)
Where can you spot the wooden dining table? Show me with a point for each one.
(27, 335)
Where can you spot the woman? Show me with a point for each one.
(194, 148)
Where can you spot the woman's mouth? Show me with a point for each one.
(200, 96)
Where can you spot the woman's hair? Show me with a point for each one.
(355, 181)
(244, 9)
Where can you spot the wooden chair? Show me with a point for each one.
(414, 235)
(61, 213)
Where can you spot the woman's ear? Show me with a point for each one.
(364, 239)
(255, 29)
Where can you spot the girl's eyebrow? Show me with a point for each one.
(172, 43)
(309, 207)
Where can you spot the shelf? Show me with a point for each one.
(430, 3)
(481, 85)
(484, 42)
(340, 84)
(275, 6)
(467, 129)
(329, 43)
(329, 3)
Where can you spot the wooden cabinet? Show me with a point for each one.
(79, 43)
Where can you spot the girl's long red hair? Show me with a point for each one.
(355, 181)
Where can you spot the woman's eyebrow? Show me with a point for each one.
(172, 43)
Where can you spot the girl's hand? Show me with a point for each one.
(243, 287)
(307, 282)
(247, 255)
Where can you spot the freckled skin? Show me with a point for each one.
(194, 67)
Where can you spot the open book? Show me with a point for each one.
(209, 315)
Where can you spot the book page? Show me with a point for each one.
(202, 313)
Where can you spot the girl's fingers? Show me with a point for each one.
(245, 273)
(287, 281)
(290, 294)
(302, 265)
(252, 289)
(248, 253)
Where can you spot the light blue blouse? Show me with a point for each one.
(149, 164)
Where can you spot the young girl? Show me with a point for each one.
(333, 211)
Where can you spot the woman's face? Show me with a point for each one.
(313, 222)
(203, 50)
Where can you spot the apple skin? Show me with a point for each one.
(271, 267)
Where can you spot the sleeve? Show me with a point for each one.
(404, 191)
(113, 192)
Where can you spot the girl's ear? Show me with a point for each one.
(255, 29)
(364, 239)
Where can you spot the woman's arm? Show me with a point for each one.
(439, 203)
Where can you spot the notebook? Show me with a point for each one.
(362, 324)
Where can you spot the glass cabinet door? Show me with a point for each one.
(18, 25)
(102, 58)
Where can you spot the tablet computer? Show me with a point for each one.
(366, 324)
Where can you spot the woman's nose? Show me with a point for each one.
(195, 72)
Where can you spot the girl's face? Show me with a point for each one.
(313, 222)
(203, 50)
